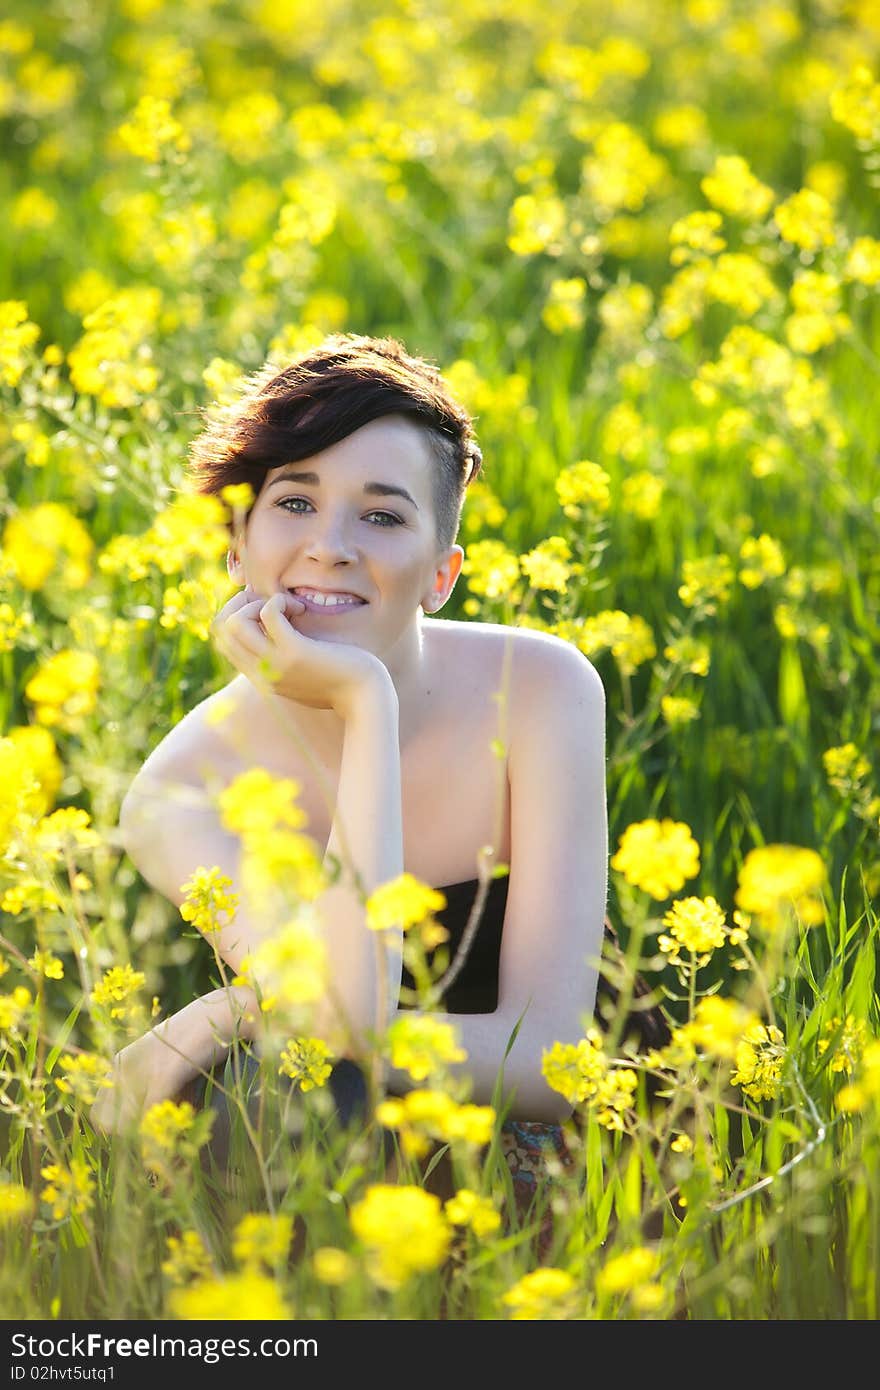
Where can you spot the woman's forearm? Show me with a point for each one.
(156, 1066)
(366, 838)
(484, 1038)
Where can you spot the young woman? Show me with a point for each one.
(390, 721)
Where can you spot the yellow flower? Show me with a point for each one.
(548, 565)
(468, 1208)
(404, 1232)
(48, 541)
(546, 1294)
(849, 1044)
(206, 900)
(863, 261)
(15, 1010)
(116, 987)
(403, 902)
(657, 856)
(731, 186)
(776, 881)
(690, 653)
(291, 968)
(168, 1126)
(332, 1265)
(718, 1026)
(641, 493)
(762, 560)
(575, 1069)
(707, 582)
(46, 964)
(187, 1258)
(245, 1297)
(256, 802)
(422, 1045)
(17, 336)
(694, 236)
(151, 128)
(855, 103)
(306, 1061)
(696, 925)
(491, 569)
(845, 767)
(535, 223)
(623, 1273)
(760, 1055)
(69, 1191)
(806, 219)
(627, 636)
(64, 689)
(583, 485)
(16, 1202)
(565, 307)
(262, 1239)
(678, 710)
(84, 1076)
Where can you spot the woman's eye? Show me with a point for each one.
(386, 518)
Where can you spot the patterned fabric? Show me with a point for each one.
(526, 1146)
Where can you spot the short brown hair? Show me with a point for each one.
(323, 396)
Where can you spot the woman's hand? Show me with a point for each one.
(257, 636)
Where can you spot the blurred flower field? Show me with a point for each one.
(641, 240)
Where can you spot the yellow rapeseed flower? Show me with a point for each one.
(626, 635)
(116, 987)
(69, 1191)
(491, 569)
(333, 1266)
(806, 219)
(16, 1203)
(624, 1273)
(548, 565)
(696, 925)
(64, 689)
(255, 802)
(245, 1297)
(307, 1061)
(778, 881)
(85, 1074)
(863, 261)
(731, 186)
(845, 767)
(17, 337)
(717, 1027)
(48, 541)
(707, 582)
(583, 486)
(423, 1046)
(187, 1258)
(403, 902)
(262, 1239)
(207, 902)
(576, 1069)
(759, 1057)
(469, 1209)
(641, 494)
(291, 967)
(404, 1232)
(151, 129)
(545, 1294)
(657, 856)
(762, 559)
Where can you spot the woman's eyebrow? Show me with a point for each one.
(376, 489)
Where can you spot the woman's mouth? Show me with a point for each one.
(317, 602)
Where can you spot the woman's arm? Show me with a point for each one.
(158, 1065)
(553, 924)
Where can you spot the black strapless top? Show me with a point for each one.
(475, 989)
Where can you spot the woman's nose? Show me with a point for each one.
(330, 538)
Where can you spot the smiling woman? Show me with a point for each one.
(434, 749)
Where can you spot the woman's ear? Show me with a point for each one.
(444, 580)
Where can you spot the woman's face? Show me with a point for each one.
(355, 520)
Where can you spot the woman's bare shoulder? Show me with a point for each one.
(193, 747)
(534, 650)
